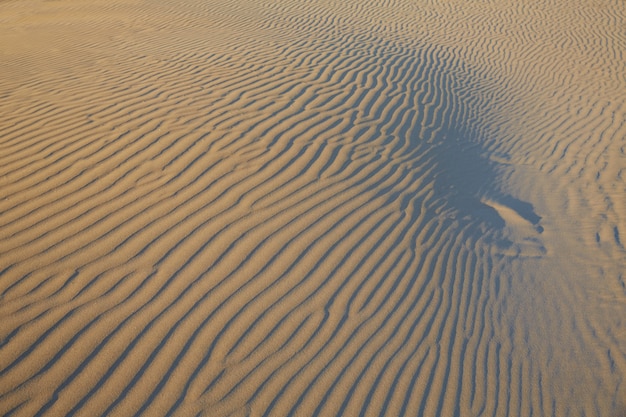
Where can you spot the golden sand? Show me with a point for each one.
(312, 208)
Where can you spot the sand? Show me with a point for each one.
(312, 208)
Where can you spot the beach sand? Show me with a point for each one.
(312, 208)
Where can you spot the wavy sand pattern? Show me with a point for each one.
(297, 208)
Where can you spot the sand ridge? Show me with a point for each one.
(312, 208)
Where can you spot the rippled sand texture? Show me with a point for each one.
(312, 208)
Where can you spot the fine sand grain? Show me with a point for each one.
(312, 208)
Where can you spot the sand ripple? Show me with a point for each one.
(312, 208)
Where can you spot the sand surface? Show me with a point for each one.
(313, 208)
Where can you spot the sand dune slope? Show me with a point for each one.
(297, 208)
